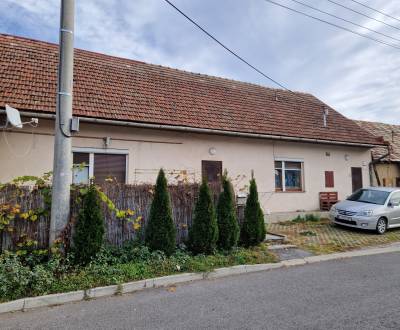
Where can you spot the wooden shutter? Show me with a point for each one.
(211, 170)
(329, 179)
(108, 166)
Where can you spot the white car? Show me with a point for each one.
(374, 208)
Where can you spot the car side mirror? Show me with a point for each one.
(389, 204)
(393, 204)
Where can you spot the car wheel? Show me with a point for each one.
(381, 226)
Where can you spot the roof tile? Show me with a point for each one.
(121, 89)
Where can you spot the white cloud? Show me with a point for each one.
(357, 77)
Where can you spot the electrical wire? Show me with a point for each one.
(376, 10)
(362, 14)
(344, 20)
(226, 48)
(298, 96)
(333, 24)
(11, 149)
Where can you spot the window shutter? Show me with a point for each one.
(329, 181)
(109, 166)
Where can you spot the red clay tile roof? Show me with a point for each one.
(389, 133)
(120, 89)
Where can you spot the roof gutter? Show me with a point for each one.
(197, 130)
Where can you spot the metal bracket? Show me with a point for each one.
(64, 93)
(67, 31)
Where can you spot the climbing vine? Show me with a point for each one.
(12, 211)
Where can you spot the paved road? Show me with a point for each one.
(358, 293)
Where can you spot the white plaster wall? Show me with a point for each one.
(176, 151)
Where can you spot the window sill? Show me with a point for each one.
(289, 191)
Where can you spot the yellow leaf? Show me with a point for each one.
(136, 226)
(24, 215)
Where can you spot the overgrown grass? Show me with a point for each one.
(309, 219)
(21, 279)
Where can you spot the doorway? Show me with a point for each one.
(356, 178)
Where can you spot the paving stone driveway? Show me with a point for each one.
(323, 237)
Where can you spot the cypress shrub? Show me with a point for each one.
(160, 231)
(203, 233)
(253, 228)
(228, 227)
(263, 229)
(89, 230)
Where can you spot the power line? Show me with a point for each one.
(240, 57)
(378, 11)
(344, 20)
(333, 24)
(226, 48)
(362, 14)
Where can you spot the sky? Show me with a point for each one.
(356, 76)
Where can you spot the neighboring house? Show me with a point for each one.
(385, 165)
(137, 117)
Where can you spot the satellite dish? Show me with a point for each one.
(13, 116)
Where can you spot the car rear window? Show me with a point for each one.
(369, 196)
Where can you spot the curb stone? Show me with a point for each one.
(75, 296)
(176, 279)
(226, 271)
(53, 299)
(262, 267)
(293, 262)
(102, 291)
(133, 286)
(12, 306)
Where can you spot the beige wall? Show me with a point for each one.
(32, 154)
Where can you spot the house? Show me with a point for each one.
(385, 164)
(137, 117)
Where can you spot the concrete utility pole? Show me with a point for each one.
(62, 166)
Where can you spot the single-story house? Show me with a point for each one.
(385, 164)
(136, 118)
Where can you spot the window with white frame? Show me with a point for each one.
(99, 165)
(288, 175)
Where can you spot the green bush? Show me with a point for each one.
(253, 229)
(307, 218)
(14, 278)
(89, 230)
(160, 231)
(203, 234)
(228, 227)
(312, 217)
(18, 280)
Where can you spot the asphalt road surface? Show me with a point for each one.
(357, 293)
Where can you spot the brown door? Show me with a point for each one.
(211, 170)
(356, 178)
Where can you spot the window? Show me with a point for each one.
(99, 165)
(329, 179)
(80, 174)
(211, 170)
(288, 175)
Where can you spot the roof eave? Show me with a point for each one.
(201, 130)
